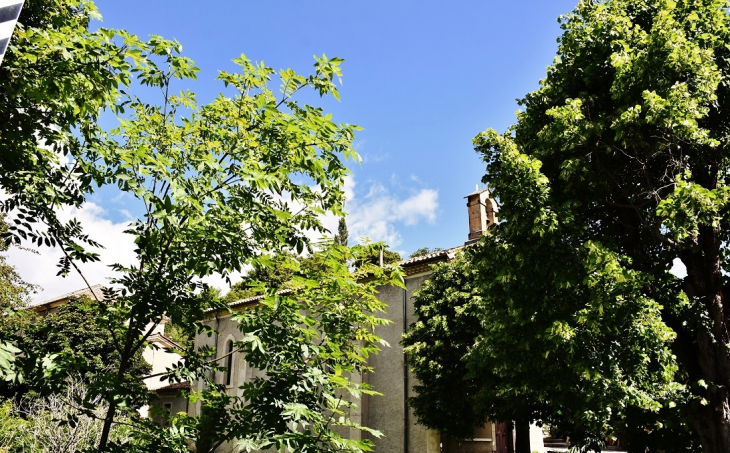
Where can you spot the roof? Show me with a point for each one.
(441, 254)
(411, 266)
(420, 264)
(251, 299)
(174, 386)
(477, 192)
(165, 341)
(96, 292)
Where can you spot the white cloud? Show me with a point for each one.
(378, 214)
(41, 268)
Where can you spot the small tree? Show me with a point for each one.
(437, 345)
(424, 251)
(309, 340)
(341, 237)
(83, 348)
(215, 186)
(378, 254)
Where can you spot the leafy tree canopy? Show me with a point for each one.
(77, 337)
(424, 251)
(14, 291)
(216, 187)
(436, 346)
(373, 252)
(617, 167)
(56, 78)
(272, 272)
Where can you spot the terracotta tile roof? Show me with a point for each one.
(410, 265)
(435, 256)
(166, 342)
(175, 386)
(251, 299)
(95, 290)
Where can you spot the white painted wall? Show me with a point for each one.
(160, 360)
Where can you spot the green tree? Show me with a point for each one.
(309, 339)
(436, 347)
(617, 166)
(77, 337)
(215, 184)
(424, 251)
(272, 272)
(184, 334)
(373, 252)
(14, 291)
(14, 296)
(342, 235)
(56, 79)
(205, 176)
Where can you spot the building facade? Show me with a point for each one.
(389, 412)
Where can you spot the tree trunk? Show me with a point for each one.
(712, 419)
(522, 436)
(711, 363)
(108, 421)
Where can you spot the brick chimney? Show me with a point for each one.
(482, 213)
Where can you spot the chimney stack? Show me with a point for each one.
(482, 213)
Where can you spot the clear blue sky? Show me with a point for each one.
(422, 79)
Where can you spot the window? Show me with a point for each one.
(229, 362)
(164, 419)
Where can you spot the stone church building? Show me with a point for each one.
(389, 413)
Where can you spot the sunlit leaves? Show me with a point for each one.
(616, 167)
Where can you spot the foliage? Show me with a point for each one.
(342, 235)
(424, 251)
(184, 335)
(309, 340)
(273, 272)
(217, 183)
(14, 295)
(372, 255)
(436, 346)
(76, 337)
(56, 78)
(617, 166)
(12, 429)
(52, 423)
(14, 292)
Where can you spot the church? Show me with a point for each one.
(389, 412)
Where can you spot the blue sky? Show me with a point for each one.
(422, 79)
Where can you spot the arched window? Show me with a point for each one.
(229, 362)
